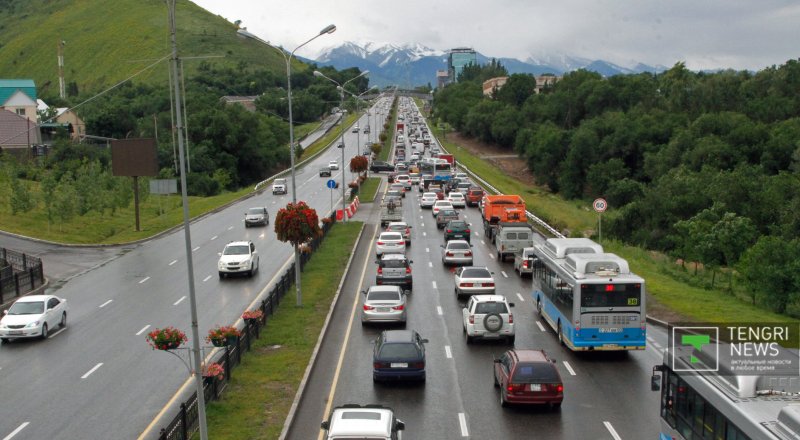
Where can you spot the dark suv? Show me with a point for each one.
(378, 166)
(456, 230)
(394, 269)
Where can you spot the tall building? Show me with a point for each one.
(457, 59)
(442, 78)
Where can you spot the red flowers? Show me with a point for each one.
(254, 314)
(296, 223)
(166, 339)
(214, 370)
(220, 334)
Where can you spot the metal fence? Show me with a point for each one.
(185, 422)
(19, 274)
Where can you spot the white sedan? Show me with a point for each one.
(427, 200)
(33, 316)
(390, 243)
(457, 199)
(334, 165)
(439, 205)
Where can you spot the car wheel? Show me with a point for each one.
(560, 335)
(499, 257)
(221, 275)
(4, 340)
(538, 307)
(511, 340)
(63, 322)
(494, 377)
(503, 402)
(44, 331)
(555, 406)
(493, 322)
(468, 338)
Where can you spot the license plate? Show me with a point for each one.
(398, 365)
(15, 332)
(458, 236)
(383, 309)
(611, 330)
(536, 387)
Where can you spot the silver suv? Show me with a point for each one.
(394, 269)
(374, 422)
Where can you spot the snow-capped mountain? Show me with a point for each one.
(414, 64)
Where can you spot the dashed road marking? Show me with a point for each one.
(214, 237)
(195, 249)
(231, 227)
(569, 368)
(434, 284)
(462, 422)
(447, 352)
(482, 242)
(439, 310)
(106, 303)
(56, 333)
(206, 278)
(491, 256)
(16, 431)
(143, 330)
(521, 298)
(144, 280)
(424, 234)
(657, 345)
(539, 324)
(612, 431)
(179, 301)
(427, 249)
(505, 275)
(430, 264)
(173, 262)
(92, 370)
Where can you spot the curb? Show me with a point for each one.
(311, 363)
(657, 322)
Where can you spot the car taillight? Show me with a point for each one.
(400, 307)
(380, 270)
(380, 365)
(488, 284)
(472, 319)
(408, 231)
(524, 264)
(380, 243)
(510, 318)
(408, 270)
(468, 253)
(417, 365)
(465, 285)
(368, 308)
(449, 254)
(559, 388)
(449, 231)
(467, 231)
(515, 387)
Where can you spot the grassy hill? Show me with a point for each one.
(108, 41)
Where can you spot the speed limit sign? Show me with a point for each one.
(600, 205)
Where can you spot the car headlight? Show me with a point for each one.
(220, 264)
(33, 324)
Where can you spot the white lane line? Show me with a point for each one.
(462, 422)
(106, 303)
(231, 227)
(478, 235)
(214, 237)
(657, 345)
(504, 273)
(447, 352)
(650, 338)
(195, 249)
(539, 324)
(206, 278)
(262, 235)
(482, 242)
(16, 431)
(56, 333)
(492, 256)
(569, 368)
(424, 234)
(434, 284)
(439, 310)
(92, 370)
(143, 330)
(430, 264)
(427, 249)
(612, 431)
(521, 298)
(173, 262)
(144, 280)
(422, 225)
(179, 301)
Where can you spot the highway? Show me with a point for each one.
(98, 378)
(607, 395)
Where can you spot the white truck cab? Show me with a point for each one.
(354, 421)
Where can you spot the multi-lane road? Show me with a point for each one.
(606, 394)
(98, 378)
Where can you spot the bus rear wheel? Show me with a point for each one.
(560, 335)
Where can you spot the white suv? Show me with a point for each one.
(488, 317)
(238, 257)
(367, 422)
(279, 186)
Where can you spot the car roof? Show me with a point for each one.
(391, 233)
(361, 427)
(238, 243)
(393, 256)
(449, 242)
(397, 224)
(385, 288)
(35, 298)
(529, 355)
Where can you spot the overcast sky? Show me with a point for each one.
(706, 34)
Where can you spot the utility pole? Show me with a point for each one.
(62, 90)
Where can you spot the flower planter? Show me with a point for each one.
(218, 342)
(231, 340)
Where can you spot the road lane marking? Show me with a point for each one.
(434, 284)
(657, 345)
(539, 324)
(143, 330)
(206, 278)
(521, 298)
(16, 431)
(612, 431)
(427, 249)
(144, 280)
(430, 264)
(462, 422)
(338, 370)
(56, 333)
(569, 368)
(447, 352)
(231, 227)
(478, 235)
(424, 234)
(262, 235)
(179, 301)
(214, 237)
(92, 370)
(482, 242)
(439, 310)
(173, 262)
(492, 256)
(195, 249)
(650, 338)
(106, 303)
(504, 273)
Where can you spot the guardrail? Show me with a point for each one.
(185, 423)
(19, 274)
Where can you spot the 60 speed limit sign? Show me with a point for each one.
(600, 205)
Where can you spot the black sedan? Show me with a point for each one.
(399, 355)
(378, 166)
(325, 172)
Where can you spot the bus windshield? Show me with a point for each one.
(611, 295)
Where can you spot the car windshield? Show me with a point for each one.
(393, 264)
(397, 228)
(457, 245)
(383, 296)
(537, 372)
(490, 307)
(27, 308)
(446, 212)
(391, 236)
(457, 225)
(255, 211)
(403, 350)
(475, 273)
(236, 250)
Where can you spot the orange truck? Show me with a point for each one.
(505, 223)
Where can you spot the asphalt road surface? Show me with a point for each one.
(98, 378)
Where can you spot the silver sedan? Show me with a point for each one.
(473, 280)
(457, 252)
(384, 304)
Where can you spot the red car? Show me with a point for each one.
(528, 377)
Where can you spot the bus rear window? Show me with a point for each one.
(611, 295)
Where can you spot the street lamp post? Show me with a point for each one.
(358, 110)
(327, 30)
(341, 144)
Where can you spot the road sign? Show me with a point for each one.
(331, 184)
(600, 205)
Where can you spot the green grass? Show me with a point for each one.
(302, 130)
(369, 189)
(324, 141)
(260, 393)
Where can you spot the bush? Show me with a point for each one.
(201, 185)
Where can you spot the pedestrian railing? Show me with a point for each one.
(19, 274)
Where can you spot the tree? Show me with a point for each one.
(733, 234)
(770, 272)
(21, 199)
(296, 224)
(64, 201)
(359, 164)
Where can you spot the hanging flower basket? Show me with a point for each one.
(220, 336)
(214, 370)
(252, 316)
(168, 338)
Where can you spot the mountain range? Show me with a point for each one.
(414, 64)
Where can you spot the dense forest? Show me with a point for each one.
(703, 166)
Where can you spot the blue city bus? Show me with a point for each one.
(440, 169)
(589, 297)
